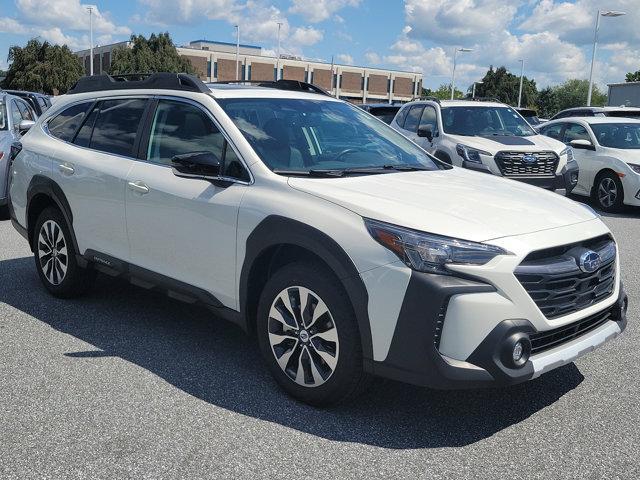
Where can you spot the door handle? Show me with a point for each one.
(138, 187)
(66, 169)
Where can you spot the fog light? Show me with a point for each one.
(515, 350)
(518, 351)
(574, 179)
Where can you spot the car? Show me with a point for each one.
(38, 101)
(607, 150)
(384, 111)
(346, 249)
(16, 117)
(489, 137)
(530, 115)
(622, 111)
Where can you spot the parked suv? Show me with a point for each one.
(16, 117)
(626, 112)
(488, 137)
(343, 246)
(39, 102)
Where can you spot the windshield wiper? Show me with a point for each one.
(310, 173)
(340, 172)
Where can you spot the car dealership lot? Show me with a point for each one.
(126, 383)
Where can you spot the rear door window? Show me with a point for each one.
(402, 115)
(65, 124)
(117, 124)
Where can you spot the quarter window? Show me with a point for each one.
(116, 125)
(413, 118)
(65, 124)
(402, 115)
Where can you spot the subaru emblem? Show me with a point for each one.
(589, 261)
(528, 158)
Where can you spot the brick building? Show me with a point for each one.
(216, 61)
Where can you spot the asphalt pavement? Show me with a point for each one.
(126, 383)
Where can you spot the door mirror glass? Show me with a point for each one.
(582, 144)
(25, 125)
(426, 131)
(204, 165)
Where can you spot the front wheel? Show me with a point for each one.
(608, 193)
(308, 335)
(55, 257)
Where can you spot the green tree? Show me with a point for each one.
(573, 93)
(505, 86)
(443, 92)
(633, 76)
(546, 103)
(42, 67)
(156, 54)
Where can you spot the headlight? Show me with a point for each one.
(426, 252)
(635, 168)
(568, 152)
(470, 154)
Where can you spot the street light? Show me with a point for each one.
(237, 51)
(521, 74)
(278, 59)
(608, 13)
(453, 74)
(473, 91)
(90, 9)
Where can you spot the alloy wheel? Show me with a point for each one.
(52, 252)
(303, 336)
(607, 192)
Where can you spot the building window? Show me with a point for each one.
(205, 48)
(215, 69)
(312, 76)
(249, 75)
(242, 77)
(209, 72)
(275, 73)
(334, 82)
(363, 84)
(388, 85)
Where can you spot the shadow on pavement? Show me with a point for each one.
(215, 362)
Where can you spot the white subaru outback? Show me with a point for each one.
(345, 248)
(489, 137)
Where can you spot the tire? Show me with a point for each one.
(55, 257)
(4, 212)
(608, 193)
(321, 356)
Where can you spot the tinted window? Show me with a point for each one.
(65, 124)
(25, 111)
(575, 132)
(385, 114)
(429, 118)
(16, 116)
(117, 124)
(83, 138)
(413, 118)
(617, 135)
(552, 131)
(485, 121)
(402, 115)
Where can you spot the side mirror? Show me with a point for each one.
(203, 165)
(25, 125)
(425, 132)
(582, 144)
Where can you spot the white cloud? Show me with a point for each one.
(344, 58)
(11, 25)
(167, 12)
(318, 10)
(372, 58)
(304, 36)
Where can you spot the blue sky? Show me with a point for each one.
(553, 37)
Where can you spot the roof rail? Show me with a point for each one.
(483, 99)
(432, 98)
(163, 80)
(293, 85)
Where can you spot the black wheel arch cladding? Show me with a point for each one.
(276, 230)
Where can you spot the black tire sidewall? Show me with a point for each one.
(348, 370)
(619, 199)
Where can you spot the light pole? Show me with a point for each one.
(90, 9)
(278, 59)
(608, 13)
(237, 51)
(453, 74)
(473, 91)
(521, 75)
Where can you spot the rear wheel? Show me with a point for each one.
(608, 192)
(55, 257)
(308, 335)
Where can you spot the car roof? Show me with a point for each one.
(592, 120)
(226, 90)
(381, 105)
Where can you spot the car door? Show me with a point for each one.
(410, 127)
(185, 228)
(91, 167)
(586, 159)
(429, 118)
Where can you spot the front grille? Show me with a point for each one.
(556, 283)
(511, 164)
(546, 340)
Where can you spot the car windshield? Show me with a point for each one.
(618, 135)
(484, 121)
(3, 116)
(624, 113)
(302, 136)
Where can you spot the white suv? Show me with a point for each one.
(488, 137)
(343, 246)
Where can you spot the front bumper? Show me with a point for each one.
(414, 355)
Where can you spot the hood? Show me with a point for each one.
(494, 144)
(456, 203)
